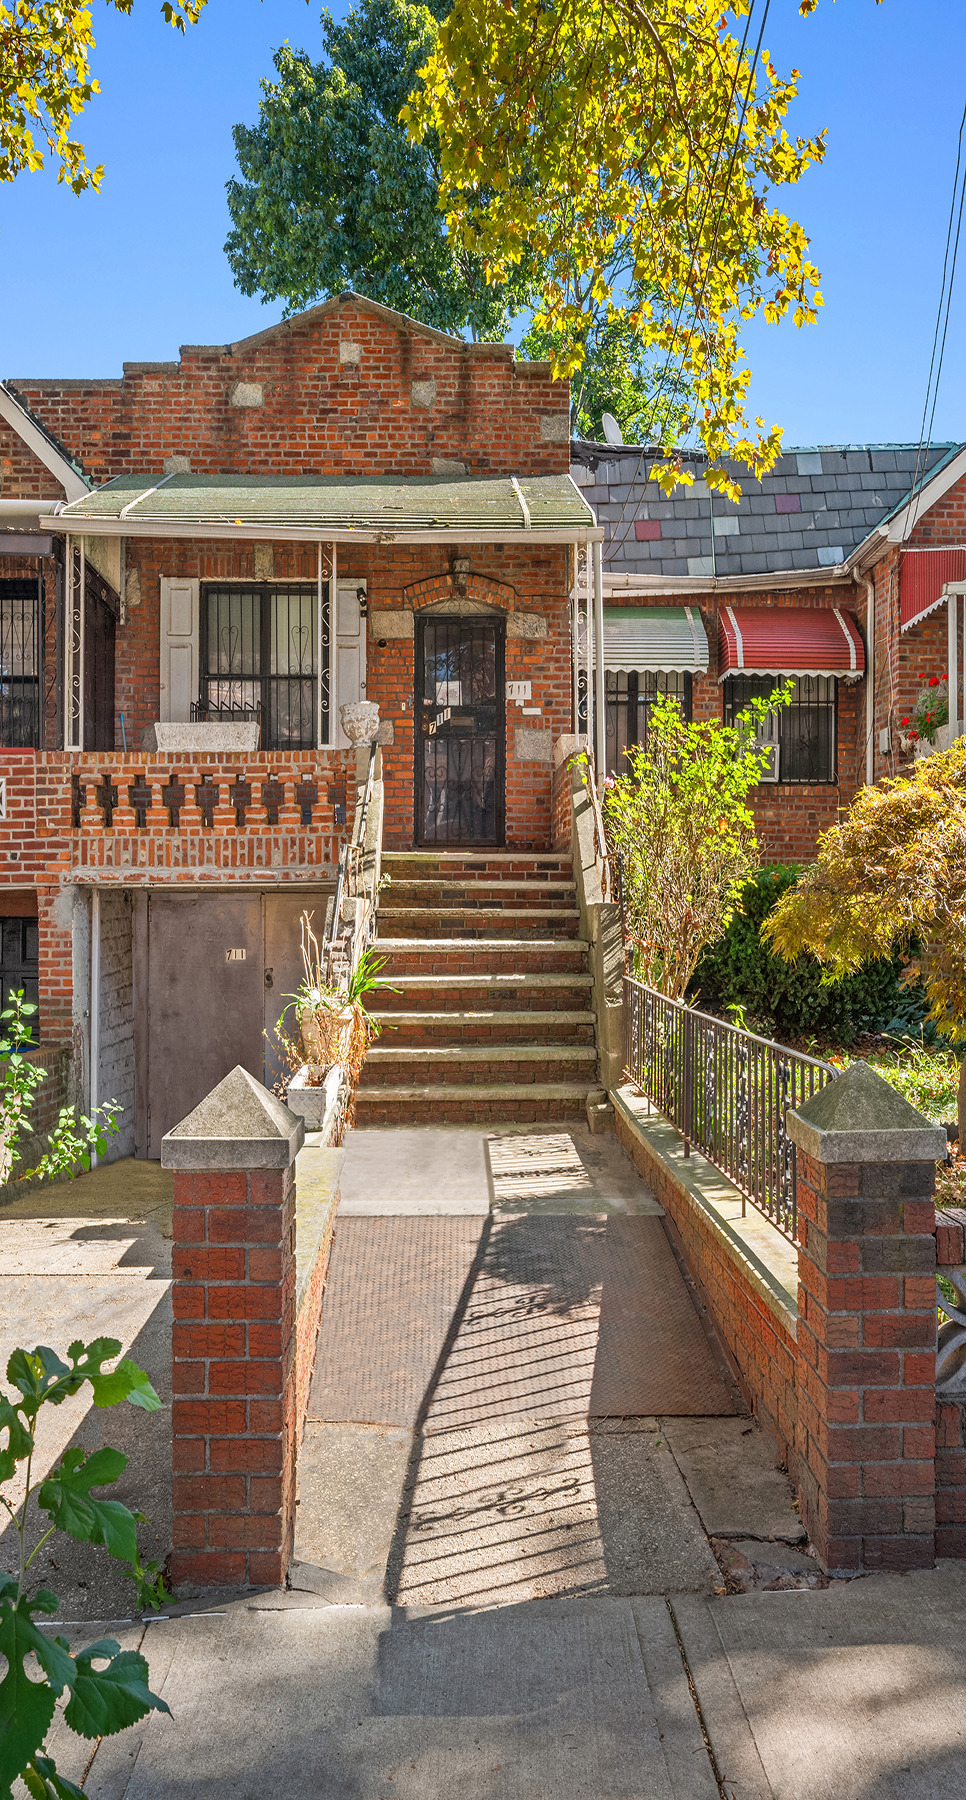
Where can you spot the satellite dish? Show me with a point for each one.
(612, 431)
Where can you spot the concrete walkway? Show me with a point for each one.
(524, 1607)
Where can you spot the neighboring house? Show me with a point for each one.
(714, 601)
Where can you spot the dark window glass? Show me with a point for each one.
(806, 728)
(19, 665)
(629, 696)
(259, 659)
(19, 968)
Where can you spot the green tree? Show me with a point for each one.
(334, 195)
(681, 824)
(615, 375)
(571, 131)
(45, 82)
(891, 873)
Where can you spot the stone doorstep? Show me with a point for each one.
(478, 884)
(460, 1017)
(483, 915)
(766, 1260)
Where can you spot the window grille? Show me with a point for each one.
(20, 665)
(807, 727)
(629, 695)
(259, 659)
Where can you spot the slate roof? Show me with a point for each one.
(810, 512)
(386, 506)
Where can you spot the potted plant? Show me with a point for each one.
(334, 1032)
(927, 722)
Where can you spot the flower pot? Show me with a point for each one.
(945, 738)
(313, 1095)
(326, 1033)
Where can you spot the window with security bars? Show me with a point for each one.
(629, 695)
(20, 963)
(259, 659)
(805, 729)
(19, 664)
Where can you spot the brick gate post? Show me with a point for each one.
(867, 1324)
(234, 1412)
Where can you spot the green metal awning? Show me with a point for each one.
(659, 638)
(541, 509)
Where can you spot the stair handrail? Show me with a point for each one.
(607, 883)
(353, 883)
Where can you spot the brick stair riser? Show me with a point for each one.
(467, 925)
(477, 999)
(410, 895)
(500, 1067)
(439, 1035)
(401, 867)
(371, 1110)
(465, 959)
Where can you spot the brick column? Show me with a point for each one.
(234, 1412)
(867, 1324)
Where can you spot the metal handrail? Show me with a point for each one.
(727, 1091)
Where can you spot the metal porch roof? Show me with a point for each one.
(796, 640)
(545, 508)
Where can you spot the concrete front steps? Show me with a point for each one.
(493, 1020)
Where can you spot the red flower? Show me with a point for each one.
(934, 681)
(913, 734)
(903, 721)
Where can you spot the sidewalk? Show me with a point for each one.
(501, 1593)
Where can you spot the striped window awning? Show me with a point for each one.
(794, 640)
(665, 639)
(923, 575)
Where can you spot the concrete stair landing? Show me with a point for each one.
(493, 1020)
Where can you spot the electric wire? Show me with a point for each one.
(945, 294)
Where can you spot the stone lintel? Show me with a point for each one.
(239, 1125)
(859, 1118)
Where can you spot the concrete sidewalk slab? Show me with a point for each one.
(92, 1258)
(358, 1703)
(851, 1693)
(412, 1171)
(521, 1510)
(730, 1468)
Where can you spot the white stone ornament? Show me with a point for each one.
(360, 721)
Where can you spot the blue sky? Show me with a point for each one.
(129, 274)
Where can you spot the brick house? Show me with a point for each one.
(352, 505)
(829, 564)
(347, 505)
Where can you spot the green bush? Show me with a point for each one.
(788, 999)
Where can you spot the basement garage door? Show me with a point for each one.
(212, 972)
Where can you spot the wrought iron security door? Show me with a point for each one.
(460, 731)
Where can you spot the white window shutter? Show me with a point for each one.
(179, 649)
(350, 651)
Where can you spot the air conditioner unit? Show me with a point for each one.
(766, 738)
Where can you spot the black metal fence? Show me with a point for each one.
(726, 1091)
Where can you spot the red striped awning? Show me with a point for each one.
(922, 576)
(792, 640)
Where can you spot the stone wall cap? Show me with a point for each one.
(239, 1125)
(859, 1118)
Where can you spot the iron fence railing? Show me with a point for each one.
(727, 1092)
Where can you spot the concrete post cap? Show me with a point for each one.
(859, 1118)
(238, 1126)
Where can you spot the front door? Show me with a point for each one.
(460, 730)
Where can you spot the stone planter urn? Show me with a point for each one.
(944, 741)
(360, 721)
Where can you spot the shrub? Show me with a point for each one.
(789, 998)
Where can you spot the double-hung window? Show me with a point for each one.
(259, 657)
(19, 664)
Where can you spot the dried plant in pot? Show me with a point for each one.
(334, 1026)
